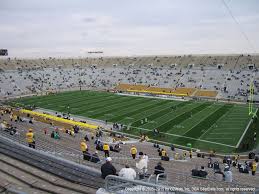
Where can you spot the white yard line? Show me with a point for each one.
(220, 138)
(202, 120)
(222, 117)
(175, 116)
(148, 114)
(223, 133)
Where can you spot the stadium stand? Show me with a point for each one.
(227, 77)
(178, 171)
(218, 77)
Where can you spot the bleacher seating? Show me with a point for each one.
(179, 172)
(227, 76)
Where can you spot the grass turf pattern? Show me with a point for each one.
(206, 125)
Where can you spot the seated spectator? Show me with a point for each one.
(87, 155)
(86, 138)
(117, 148)
(128, 173)
(195, 172)
(156, 145)
(202, 172)
(164, 155)
(216, 166)
(71, 132)
(172, 147)
(52, 134)
(227, 174)
(159, 169)
(243, 168)
(76, 129)
(95, 157)
(107, 168)
(99, 146)
(4, 125)
(141, 166)
(56, 135)
(160, 152)
(13, 131)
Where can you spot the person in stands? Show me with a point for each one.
(56, 135)
(190, 154)
(95, 157)
(86, 138)
(128, 173)
(30, 139)
(87, 156)
(159, 169)
(106, 149)
(202, 172)
(133, 151)
(227, 174)
(83, 147)
(117, 148)
(164, 155)
(254, 166)
(107, 168)
(146, 158)
(141, 166)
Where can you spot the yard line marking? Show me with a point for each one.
(220, 118)
(150, 113)
(220, 138)
(202, 120)
(193, 117)
(187, 137)
(129, 118)
(223, 133)
(175, 115)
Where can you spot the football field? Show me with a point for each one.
(206, 125)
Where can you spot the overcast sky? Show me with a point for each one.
(66, 28)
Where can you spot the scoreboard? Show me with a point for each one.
(3, 52)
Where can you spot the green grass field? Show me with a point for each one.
(206, 125)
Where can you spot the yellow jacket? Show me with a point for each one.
(106, 147)
(133, 150)
(83, 146)
(163, 153)
(176, 156)
(30, 137)
(254, 166)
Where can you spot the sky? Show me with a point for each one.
(71, 28)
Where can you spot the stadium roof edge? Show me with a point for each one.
(129, 56)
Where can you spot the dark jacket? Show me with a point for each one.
(107, 169)
(159, 169)
(95, 158)
(203, 174)
(87, 156)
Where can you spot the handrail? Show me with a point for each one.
(150, 177)
(160, 175)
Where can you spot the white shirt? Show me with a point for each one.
(142, 165)
(128, 173)
(145, 157)
(228, 176)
